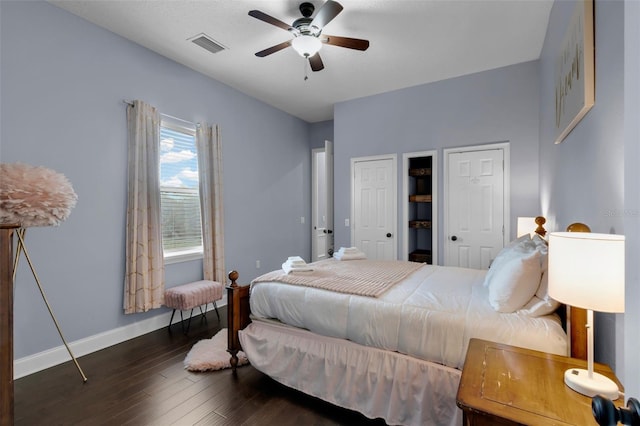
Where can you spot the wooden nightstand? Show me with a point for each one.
(506, 385)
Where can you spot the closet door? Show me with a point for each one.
(475, 200)
(374, 207)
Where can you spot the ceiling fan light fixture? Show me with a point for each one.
(306, 45)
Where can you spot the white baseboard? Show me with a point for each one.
(58, 355)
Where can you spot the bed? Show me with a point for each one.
(398, 354)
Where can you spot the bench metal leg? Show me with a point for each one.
(188, 324)
(171, 320)
(203, 315)
(215, 306)
(181, 321)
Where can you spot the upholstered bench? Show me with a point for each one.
(192, 295)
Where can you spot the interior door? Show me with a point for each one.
(322, 203)
(374, 207)
(328, 150)
(475, 218)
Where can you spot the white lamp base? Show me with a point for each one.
(578, 380)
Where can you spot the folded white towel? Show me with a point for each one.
(356, 255)
(287, 268)
(349, 250)
(296, 260)
(295, 264)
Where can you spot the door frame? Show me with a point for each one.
(505, 146)
(394, 184)
(328, 151)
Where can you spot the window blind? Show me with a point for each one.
(179, 196)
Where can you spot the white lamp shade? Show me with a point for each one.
(526, 225)
(306, 45)
(586, 270)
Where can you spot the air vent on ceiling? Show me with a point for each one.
(207, 43)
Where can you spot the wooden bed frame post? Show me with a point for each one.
(233, 344)
(238, 312)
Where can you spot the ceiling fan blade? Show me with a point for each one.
(273, 49)
(270, 20)
(316, 62)
(351, 43)
(327, 12)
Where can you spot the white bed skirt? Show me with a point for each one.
(377, 383)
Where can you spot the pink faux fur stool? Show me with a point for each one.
(192, 295)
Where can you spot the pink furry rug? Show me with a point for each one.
(211, 354)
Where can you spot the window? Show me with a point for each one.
(179, 196)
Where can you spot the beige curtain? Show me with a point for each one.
(144, 280)
(212, 212)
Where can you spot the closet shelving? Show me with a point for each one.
(420, 192)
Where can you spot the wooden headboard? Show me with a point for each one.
(577, 317)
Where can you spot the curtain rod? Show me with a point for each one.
(130, 103)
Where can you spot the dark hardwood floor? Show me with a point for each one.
(143, 382)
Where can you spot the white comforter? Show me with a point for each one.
(431, 315)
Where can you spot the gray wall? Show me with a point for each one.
(582, 179)
(63, 81)
(320, 132)
(494, 106)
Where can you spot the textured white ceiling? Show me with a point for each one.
(412, 42)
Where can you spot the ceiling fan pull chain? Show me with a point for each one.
(306, 69)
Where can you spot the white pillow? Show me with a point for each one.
(541, 303)
(523, 241)
(542, 246)
(511, 251)
(537, 307)
(515, 282)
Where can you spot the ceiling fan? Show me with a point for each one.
(307, 31)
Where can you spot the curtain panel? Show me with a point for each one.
(209, 148)
(144, 269)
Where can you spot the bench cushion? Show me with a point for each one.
(188, 296)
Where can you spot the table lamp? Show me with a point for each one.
(586, 270)
(526, 225)
(531, 226)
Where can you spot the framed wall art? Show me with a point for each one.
(574, 74)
